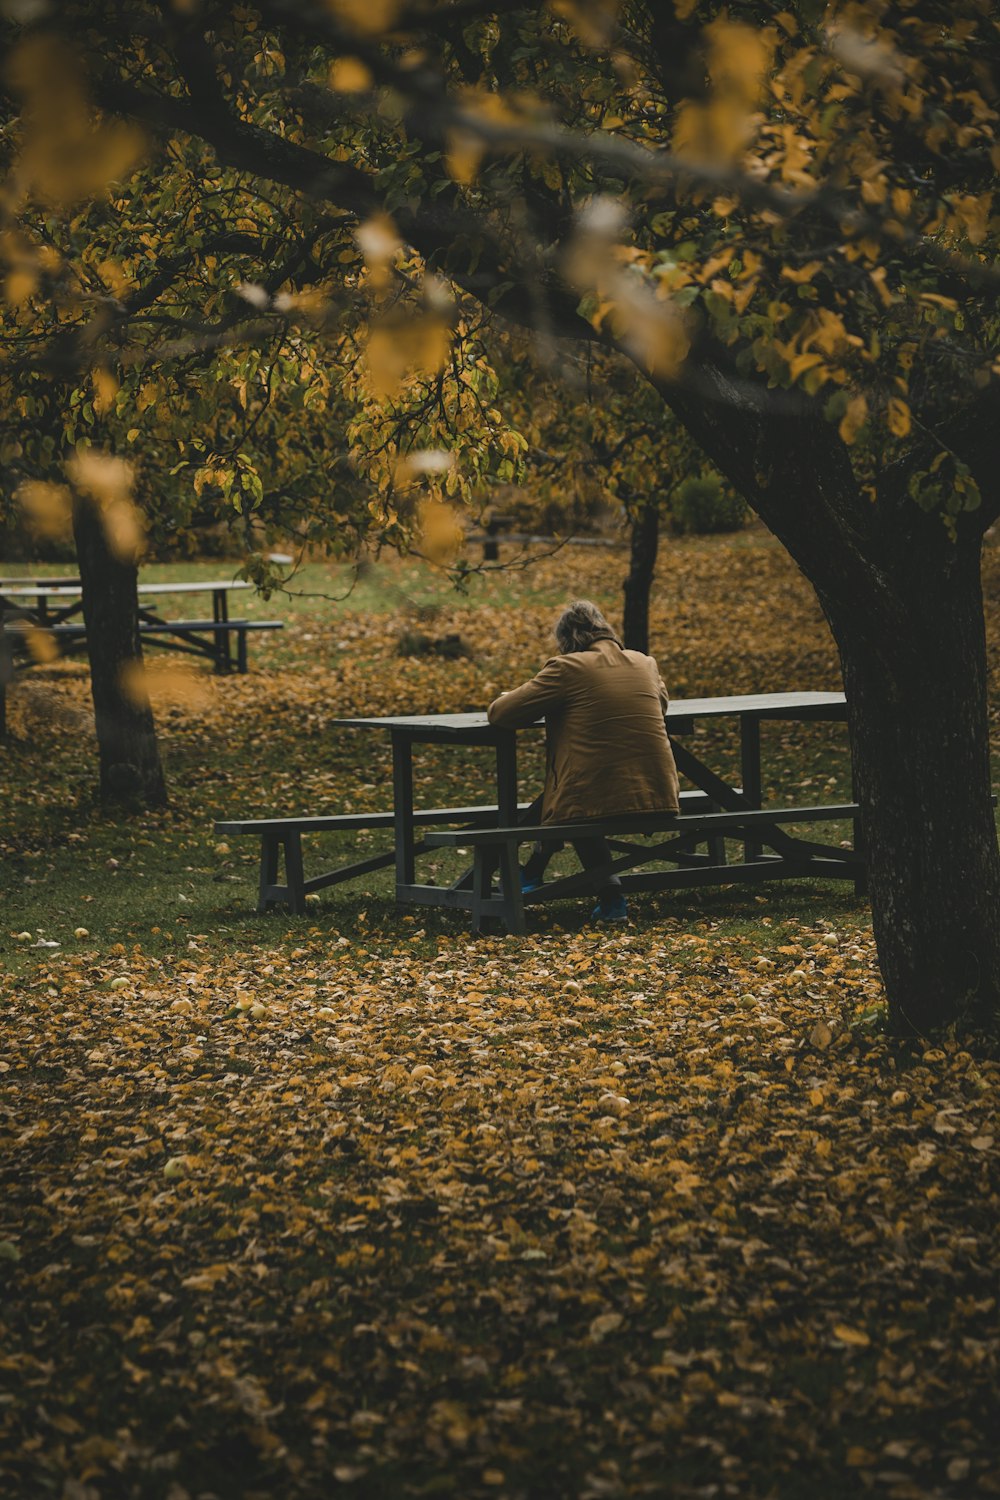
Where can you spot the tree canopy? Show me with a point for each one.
(792, 209)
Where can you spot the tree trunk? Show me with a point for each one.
(917, 701)
(904, 601)
(130, 768)
(645, 536)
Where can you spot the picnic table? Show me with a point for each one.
(713, 810)
(55, 605)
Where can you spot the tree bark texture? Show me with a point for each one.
(904, 602)
(917, 705)
(130, 768)
(644, 541)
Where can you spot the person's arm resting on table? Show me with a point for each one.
(531, 701)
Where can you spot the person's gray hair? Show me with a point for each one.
(580, 625)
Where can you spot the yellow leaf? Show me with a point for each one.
(803, 362)
(441, 533)
(100, 474)
(821, 1036)
(371, 17)
(47, 509)
(42, 646)
(165, 684)
(105, 390)
(593, 20)
(856, 1337)
(19, 286)
(206, 1280)
(803, 273)
(854, 418)
(878, 277)
(463, 156)
(379, 243)
(899, 417)
(348, 75)
(604, 1324)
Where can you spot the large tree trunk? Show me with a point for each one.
(917, 702)
(130, 767)
(645, 536)
(904, 602)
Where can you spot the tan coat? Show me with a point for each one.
(607, 747)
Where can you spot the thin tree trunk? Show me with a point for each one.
(130, 768)
(645, 536)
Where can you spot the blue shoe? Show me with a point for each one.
(611, 907)
(529, 885)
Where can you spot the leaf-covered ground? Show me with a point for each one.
(355, 1202)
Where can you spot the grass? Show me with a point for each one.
(354, 1201)
(263, 744)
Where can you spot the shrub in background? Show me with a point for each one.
(702, 503)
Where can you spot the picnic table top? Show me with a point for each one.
(32, 589)
(38, 579)
(769, 705)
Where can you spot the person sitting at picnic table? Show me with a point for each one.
(607, 750)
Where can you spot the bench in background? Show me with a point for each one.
(208, 638)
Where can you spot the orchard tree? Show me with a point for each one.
(168, 363)
(785, 219)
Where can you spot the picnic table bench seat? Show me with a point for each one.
(495, 852)
(284, 836)
(73, 633)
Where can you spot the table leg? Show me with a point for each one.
(510, 890)
(750, 771)
(294, 874)
(507, 780)
(402, 803)
(6, 675)
(507, 810)
(268, 869)
(220, 614)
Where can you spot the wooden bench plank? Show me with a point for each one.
(639, 824)
(334, 821)
(153, 627)
(385, 818)
(146, 627)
